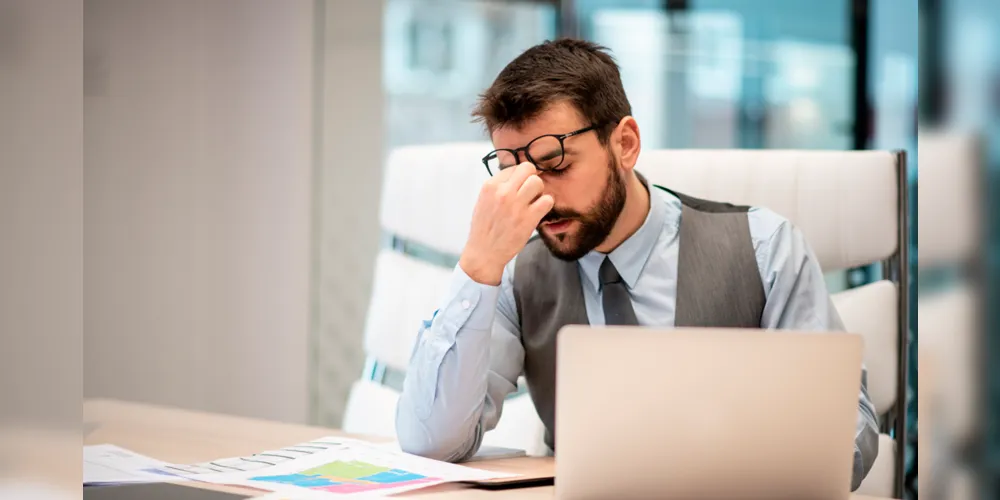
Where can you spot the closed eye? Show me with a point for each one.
(561, 170)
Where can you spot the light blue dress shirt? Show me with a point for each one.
(468, 358)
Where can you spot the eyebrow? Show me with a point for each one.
(551, 154)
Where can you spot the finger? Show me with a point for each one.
(520, 174)
(505, 173)
(540, 207)
(530, 190)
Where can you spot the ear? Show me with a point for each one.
(626, 138)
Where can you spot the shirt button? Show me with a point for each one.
(466, 304)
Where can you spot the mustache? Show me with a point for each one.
(559, 213)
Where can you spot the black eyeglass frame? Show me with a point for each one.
(515, 152)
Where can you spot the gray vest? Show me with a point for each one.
(718, 284)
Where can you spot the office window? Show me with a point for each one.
(439, 55)
(732, 73)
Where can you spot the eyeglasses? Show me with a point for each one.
(545, 152)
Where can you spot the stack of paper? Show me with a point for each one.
(337, 466)
(109, 464)
(331, 467)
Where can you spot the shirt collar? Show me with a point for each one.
(631, 256)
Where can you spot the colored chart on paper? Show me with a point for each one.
(345, 477)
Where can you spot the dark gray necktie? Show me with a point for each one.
(617, 303)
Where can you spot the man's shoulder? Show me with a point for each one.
(767, 220)
(765, 224)
(679, 199)
(775, 236)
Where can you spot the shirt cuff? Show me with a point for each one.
(473, 301)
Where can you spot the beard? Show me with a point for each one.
(594, 226)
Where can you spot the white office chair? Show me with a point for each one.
(427, 201)
(850, 206)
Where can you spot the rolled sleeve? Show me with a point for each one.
(439, 411)
(461, 313)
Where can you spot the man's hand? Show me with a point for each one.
(510, 206)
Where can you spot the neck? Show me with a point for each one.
(632, 216)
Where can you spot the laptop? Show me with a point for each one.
(705, 413)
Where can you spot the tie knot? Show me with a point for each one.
(608, 274)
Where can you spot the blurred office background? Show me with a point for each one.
(959, 112)
(234, 153)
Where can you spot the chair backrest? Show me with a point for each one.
(845, 202)
(429, 193)
(405, 292)
(870, 310)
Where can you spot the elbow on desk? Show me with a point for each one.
(441, 447)
(425, 448)
(431, 439)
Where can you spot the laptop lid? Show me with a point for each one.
(705, 413)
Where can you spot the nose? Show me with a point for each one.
(520, 156)
(547, 187)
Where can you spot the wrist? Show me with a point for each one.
(481, 272)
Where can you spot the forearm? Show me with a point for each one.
(441, 406)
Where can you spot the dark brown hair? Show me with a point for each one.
(578, 71)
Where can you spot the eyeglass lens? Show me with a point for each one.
(545, 152)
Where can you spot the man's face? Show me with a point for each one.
(588, 188)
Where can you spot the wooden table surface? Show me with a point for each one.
(184, 436)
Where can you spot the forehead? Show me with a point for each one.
(558, 118)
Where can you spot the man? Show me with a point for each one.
(610, 246)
